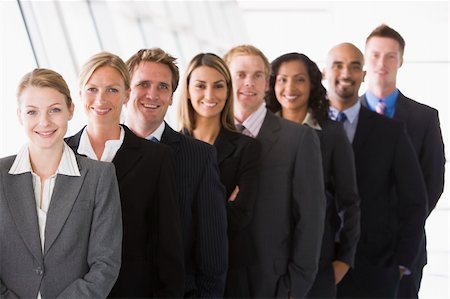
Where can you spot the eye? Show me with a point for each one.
(113, 90)
(55, 110)
(241, 75)
(200, 86)
(163, 86)
(144, 84)
(219, 85)
(281, 80)
(91, 89)
(31, 112)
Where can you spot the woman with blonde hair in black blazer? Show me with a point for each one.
(60, 215)
(152, 251)
(206, 113)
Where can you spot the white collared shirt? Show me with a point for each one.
(311, 122)
(110, 151)
(351, 122)
(67, 166)
(254, 122)
(158, 132)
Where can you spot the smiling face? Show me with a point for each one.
(207, 92)
(293, 86)
(151, 96)
(249, 82)
(383, 59)
(44, 114)
(103, 96)
(344, 73)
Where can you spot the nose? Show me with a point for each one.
(44, 120)
(153, 92)
(209, 93)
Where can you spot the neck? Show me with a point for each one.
(342, 104)
(297, 116)
(241, 114)
(143, 130)
(45, 162)
(381, 91)
(206, 129)
(99, 134)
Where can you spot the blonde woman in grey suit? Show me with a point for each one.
(60, 214)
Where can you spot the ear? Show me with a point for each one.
(127, 96)
(71, 110)
(401, 61)
(324, 74)
(171, 100)
(19, 116)
(364, 76)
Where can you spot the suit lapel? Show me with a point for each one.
(21, 201)
(401, 108)
(65, 193)
(128, 154)
(363, 129)
(267, 133)
(224, 145)
(171, 138)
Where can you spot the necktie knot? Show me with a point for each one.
(380, 108)
(154, 139)
(240, 127)
(341, 117)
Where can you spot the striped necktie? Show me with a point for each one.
(380, 108)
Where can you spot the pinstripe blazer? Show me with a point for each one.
(83, 234)
(201, 198)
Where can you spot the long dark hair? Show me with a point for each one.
(317, 101)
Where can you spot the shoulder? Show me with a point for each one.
(6, 163)
(94, 165)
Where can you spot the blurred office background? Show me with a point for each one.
(62, 35)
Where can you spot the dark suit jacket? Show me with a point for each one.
(201, 198)
(393, 206)
(83, 234)
(342, 195)
(152, 249)
(289, 214)
(239, 163)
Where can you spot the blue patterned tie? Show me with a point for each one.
(154, 139)
(341, 117)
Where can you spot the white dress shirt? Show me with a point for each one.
(111, 147)
(254, 122)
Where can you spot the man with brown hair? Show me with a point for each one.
(384, 57)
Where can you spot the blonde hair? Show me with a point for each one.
(104, 59)
(186, 113)
(155, 55)
(41, 77)
(248, 50)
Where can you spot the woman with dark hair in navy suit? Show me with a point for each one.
(296, 93)
(206, 113)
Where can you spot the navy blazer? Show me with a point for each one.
(152, 248)
(393, 206)
(201, 198)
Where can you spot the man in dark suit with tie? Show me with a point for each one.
(201, 196)
(288, 217)
(390, 184)
(384, 56)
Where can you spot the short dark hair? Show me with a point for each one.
(317, 101)
(385, 31)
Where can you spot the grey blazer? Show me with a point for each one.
(83, 235)
(289, 214)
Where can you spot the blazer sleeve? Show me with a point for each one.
(5, 293)
(105, 241)
(412, 201)
(211, 228)
(169, 254)
(346, 190)
(240, 210)
(432, 160)
(308, 212)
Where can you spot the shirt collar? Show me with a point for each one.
(389, 100)
(254, 122)
(311, 122)
(158, 132)
(351, 113)
(67, 166)
(85, 147)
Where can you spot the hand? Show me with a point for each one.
(234, 194)
(402, 271)
(340, 269)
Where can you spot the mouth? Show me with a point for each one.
(150, 106)
(209, 104)
(101, 111)
(46, 134)
(248, 93)
(290, 98)
(346, 83)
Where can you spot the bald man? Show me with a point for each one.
(390, 184)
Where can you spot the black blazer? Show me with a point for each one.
(423, 128)
(342, 196)
(393, 206)
(152, 250)
(201, 198)
(239, 161)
